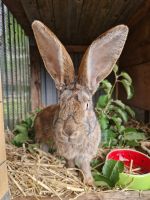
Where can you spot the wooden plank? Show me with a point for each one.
(46, 12)
(3, 180)
(2, 134)
(61, 19)
(140, 75)
(76, 21)
(74, 13)
(6, 196)
(137, 48)
(111, 13)
(141, 13)
(76, 48)
(105, 15)
(115, 11)
(128, 11)
(89, 11)
(76, 58)
(111, 195)
(98, 18)
(17, 10)
(31, 10)
(35, 78)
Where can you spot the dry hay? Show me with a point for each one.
(139, 125)
(145, 145)
(40, 174)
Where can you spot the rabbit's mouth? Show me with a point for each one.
(74, 138)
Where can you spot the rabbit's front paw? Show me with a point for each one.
(89, 181)
(70, 163)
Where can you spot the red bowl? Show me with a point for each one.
(126, 155)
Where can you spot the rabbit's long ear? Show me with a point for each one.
(100, 57)
(56, 59)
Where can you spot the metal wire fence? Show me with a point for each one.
(15, 68)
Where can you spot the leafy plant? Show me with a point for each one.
(24, 130)
(109, 175)
(113, 114)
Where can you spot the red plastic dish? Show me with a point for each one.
(126, 155)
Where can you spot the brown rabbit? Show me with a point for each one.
(72, 123)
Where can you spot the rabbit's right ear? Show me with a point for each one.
(100, 57)
(56, 59)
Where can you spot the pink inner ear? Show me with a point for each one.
(101, 56)
(56, 59)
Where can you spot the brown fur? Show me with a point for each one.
(72, 124)
(73, 127)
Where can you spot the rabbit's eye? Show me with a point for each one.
(87, 106)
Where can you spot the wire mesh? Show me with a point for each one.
(15, 68)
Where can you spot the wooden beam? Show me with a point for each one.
(111, 195)
(141, 13)
(137, 48)
(31, 10)
(2, 135)
(3, 167)
(76, 48)
(46, 12)
(140, 75)
(146, 116)
(35, 78)
(3, 180)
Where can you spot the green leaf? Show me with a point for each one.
(130, 129)
(104, 122)
(101, 181)
(115, 68)
(126, 76)
(102, 101)
(111, 170)
(130, 111)
(31, 147)
(95, 162)
(20, 139)
(117, 121)
(120, 112)
(37, 110)
(119, 103)
(109, 138)
(103, 184)
(132, 143)
(21, 129)
(29, 121)
(106, 85)
(121, 129)
(130, 135)
(128, 87)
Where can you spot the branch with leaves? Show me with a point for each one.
(113, 114)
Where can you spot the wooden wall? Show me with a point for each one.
(3, 167)
(35, 61)
(136, 61)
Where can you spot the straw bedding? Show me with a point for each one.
(40, 174)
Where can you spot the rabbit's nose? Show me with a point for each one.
(68, 133)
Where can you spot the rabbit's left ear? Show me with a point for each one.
(100, 57)
(56, 59)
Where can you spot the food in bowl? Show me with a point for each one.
(137, 168)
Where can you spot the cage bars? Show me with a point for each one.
(15, 69)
